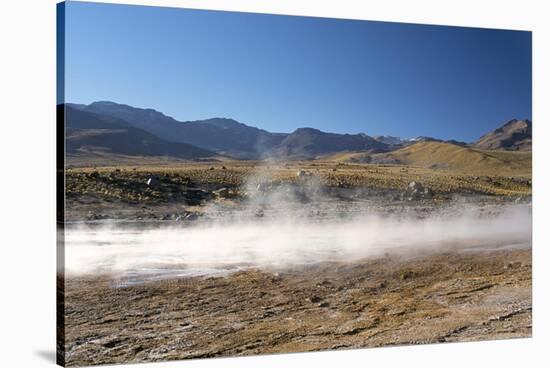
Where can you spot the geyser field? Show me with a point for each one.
(219, 249)
(235, 258)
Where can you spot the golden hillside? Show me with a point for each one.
(439, 155)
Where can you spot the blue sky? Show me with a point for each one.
(280, 73)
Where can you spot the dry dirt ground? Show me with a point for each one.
(428, 298)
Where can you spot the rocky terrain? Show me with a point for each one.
(429, 298)
(515, 135)
(172, 192)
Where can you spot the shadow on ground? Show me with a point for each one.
(47, 355)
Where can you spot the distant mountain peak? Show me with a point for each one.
(514, 135)
(306, 130)
(517, 125)
(309, 143)
(389, 140)
(224, 123)
(424, 138)
(105, 102)
(125, 112)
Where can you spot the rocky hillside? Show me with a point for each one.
(224, 136)
(91, 134)
(232, 138)
(309, 143)
(515, 135)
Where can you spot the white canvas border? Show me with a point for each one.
(27, 317)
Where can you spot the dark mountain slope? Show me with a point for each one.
(309, 143)
(222, 135)
(232, 138)
(515, 135)
(88, 133)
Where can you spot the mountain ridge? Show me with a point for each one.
(309, 143)
(222, 135)
(515, 135)
(87, 133)
(229, 137)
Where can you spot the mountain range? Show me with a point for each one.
(223, 136)
(111, 128)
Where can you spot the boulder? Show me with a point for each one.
(416, 190)
(303, 174)
(415, 186)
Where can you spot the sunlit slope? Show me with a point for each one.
(438, 155)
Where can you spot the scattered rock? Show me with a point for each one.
(187, 216)
(512, 265)
(222, 193)
(416, 190)
(314, 299)
(191, 216)
(259, 213)
(415, 187)
(152, 181)
(324, 283)
(96, 216)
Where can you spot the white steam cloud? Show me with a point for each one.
(291, 240)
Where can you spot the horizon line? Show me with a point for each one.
(301, 127)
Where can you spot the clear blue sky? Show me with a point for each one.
(280, 73)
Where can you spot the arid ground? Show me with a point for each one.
(426, 299)
(438, 294)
